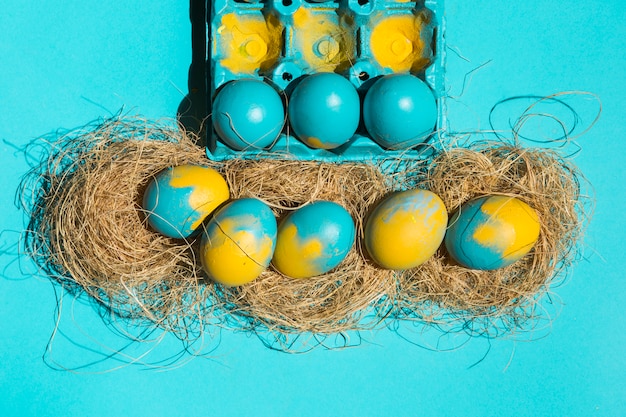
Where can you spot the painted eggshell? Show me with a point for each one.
(492, 232)
(179, 198)
(248, 114)
(324, 110)
(313, 240)
(238, 242)
(399, 111)
(405, 229)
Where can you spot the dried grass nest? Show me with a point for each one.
(87, 231)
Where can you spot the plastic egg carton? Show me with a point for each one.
(279, 41)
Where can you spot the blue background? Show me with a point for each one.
(65, 63)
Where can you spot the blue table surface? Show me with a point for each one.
(63, 64)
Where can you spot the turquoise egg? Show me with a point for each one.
(178, 199)
(238, 242)
(492, 232)
(313, 240)
(399, 111)
(248, 114)
(324, 110)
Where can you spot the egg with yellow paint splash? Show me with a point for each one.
(405, 229)
(238, 242)
(178, 199)
(313, 240)
(492, 232)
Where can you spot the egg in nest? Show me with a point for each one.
(405, 229)
(313, 240)
(492, 232)
(238, 242)
(178, 199)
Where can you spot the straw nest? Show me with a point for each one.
(87, 231)
(488, 302)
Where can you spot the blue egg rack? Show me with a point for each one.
(264, 39)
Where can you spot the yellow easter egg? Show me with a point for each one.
(238, 242)
(492, 232)
(178, 199)
(313, 240)
(405, 229)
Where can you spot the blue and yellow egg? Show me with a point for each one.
(248, 114)
(405, 229)
(238, 242)
(313, 240)
(324, 110)
(178, 199)
(399, 111)
(492, 232)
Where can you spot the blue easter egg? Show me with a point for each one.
(238, 242)
(324, 110)
(492, 232)
(313, 240)
(399, 111)
(178, 199)
(406, 229)
(248, 114)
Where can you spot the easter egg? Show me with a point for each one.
(178, 199)
(324, 110)
(313, 240)
(399, 111)
(238, 242)
(405, 229)
(248, 114)
(492, 232)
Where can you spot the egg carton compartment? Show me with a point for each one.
(280, 42)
